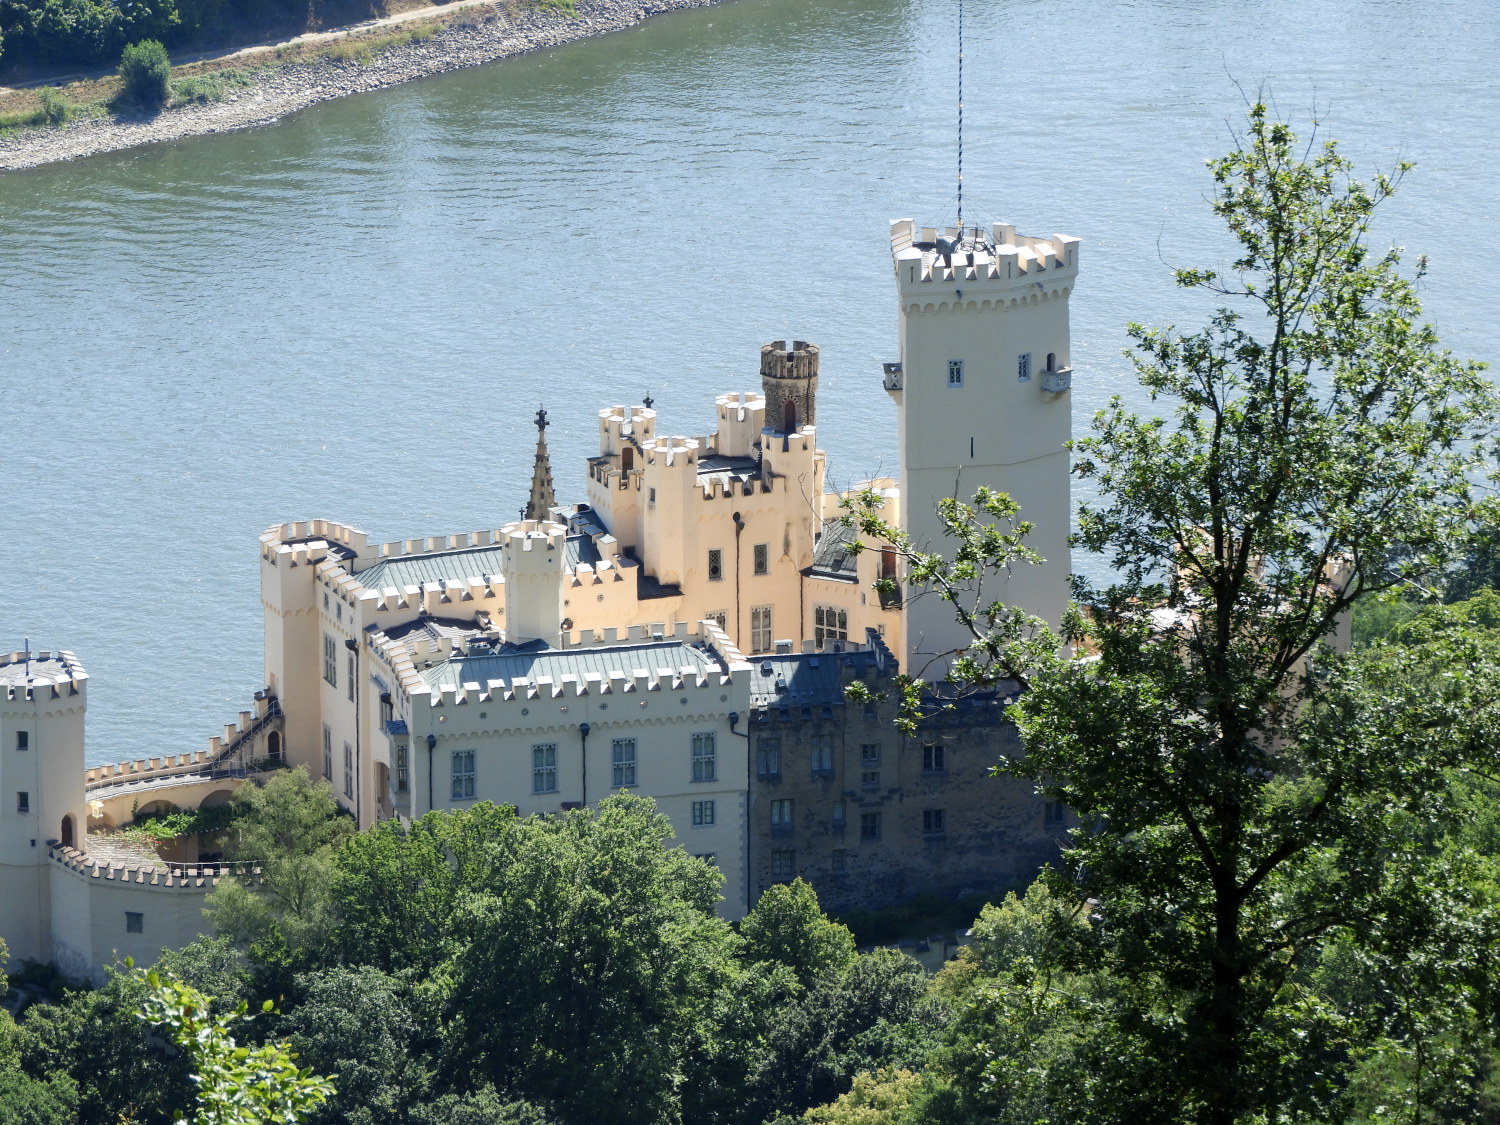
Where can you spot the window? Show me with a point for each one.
(338, 611)
(327, 753)
(762, 554)
(870, 779)
(622, 760)
(719, 617)
(839, 808)
(760, 628)
(830, 623)
(403, 769)
(23, 740)
(932, 758)
(463, 775)
(822, 755)
(1056, 815)
(348, 770)
(544, 768)
(768, 756)
(781, 813)
(23, 801)
(710, 858)
(351, 677)
(705, 767)
(1051, 361)
(840, 861)
(703, 814)
(955, 372)
(135, 922)
(934, 822)
(715, 565)
(869, 754)
(869, 826)
(1023, 367)
(783, 863)
(651, 495)
(330, 660)
(325, 601)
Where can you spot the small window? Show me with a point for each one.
(703, 814)
(822, 755)
(622, 762)
(23, 801)
(783, 864)
(23, 740)
(710, 858)
(544, 768)
(348, 770)
(338, 612)
(1051, 361)
(768, 757)
(760, 628)
(325, 601)
(955, 372)
(715, 565)
(351, 677)
(869, 754)
(762, 552)
(720, 618)
(934, 822)
(869, 779)
(651, 495)
(705, 764)
(330, 660)
(1056, 815)
(781, 813)
(403, 768)
(327, 753)
(839, 812)
(932, 758)
(869, 826)
(830, 623)
(135, 922)
(1023, 367)
(840, 862)
(463, 775)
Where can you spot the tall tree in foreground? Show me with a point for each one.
(1249, 796)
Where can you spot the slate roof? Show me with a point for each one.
(469, 562)
(832, 557)
(653, 661)
(804, 679)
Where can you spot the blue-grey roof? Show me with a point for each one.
(806, 679)
(530, 662)
(455, 566)
(432, 629)
(832, 557)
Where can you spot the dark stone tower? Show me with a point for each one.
(789, 380)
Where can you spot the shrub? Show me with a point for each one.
(212, 87)
(56, 109)
(147, 72)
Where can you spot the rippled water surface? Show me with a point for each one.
(354, 312)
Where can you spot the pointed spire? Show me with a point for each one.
(543, 499)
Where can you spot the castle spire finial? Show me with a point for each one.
(543, 499)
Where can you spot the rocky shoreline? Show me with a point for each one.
(497, 34)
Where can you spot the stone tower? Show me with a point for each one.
(982, 389)
(534, 556)
(42, 702)
(789, 383)
(543, 499)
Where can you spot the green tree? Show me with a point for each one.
(146, 71)
(787, 926)
(235, 1085)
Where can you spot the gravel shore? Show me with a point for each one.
(496, 34)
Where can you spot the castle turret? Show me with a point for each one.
(534, 560)
(789, 382)
(982, 388)
(42, 704)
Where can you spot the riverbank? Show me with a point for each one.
(486, 33)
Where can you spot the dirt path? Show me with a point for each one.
(488, 33)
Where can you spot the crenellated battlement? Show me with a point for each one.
(673, 452)
(622, 425)
(310, 535)
(164, 874)
(976, 255)
(41, 675)
(228, 745)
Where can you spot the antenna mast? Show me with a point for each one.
(960, 118)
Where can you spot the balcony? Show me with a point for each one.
(1056, 382)
(893, 377)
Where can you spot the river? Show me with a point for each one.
(354, 313)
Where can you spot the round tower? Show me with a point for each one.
(534, 560)
(42, 703)
(789, 383)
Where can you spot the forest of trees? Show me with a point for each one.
(1282, 904)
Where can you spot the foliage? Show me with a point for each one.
(165, 827)
(212, 87)
(786, 926)
(482, 1107)
(146, 72)
(235, 1085)
(881, 1098)
(33, 1101)
(56, 109)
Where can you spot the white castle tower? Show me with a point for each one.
(982, 389)
(42, 703)
(534, 554)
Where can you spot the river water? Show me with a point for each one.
(354, 313)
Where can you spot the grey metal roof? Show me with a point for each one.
(527, 663)
(832, 557)
(746, 468)
(454, 566)
(432, 629)
(804, 679)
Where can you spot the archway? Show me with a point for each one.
(789, 412)
(627, 458)
(273, 745)
(154, 808)
(67, 831)
(216, 798)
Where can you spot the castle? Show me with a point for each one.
(686, 632)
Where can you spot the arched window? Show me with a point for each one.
(790, 416)
(627, 458)
(273, 745)
(67, 831)
(1051, 361)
